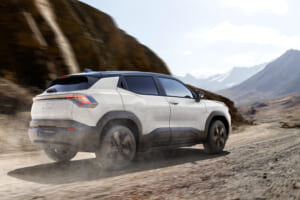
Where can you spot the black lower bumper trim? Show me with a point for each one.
(83, 137)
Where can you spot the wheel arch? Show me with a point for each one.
(217, 115)
(121, 117)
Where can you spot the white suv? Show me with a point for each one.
(119, 113)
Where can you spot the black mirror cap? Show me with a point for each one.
(200, 95)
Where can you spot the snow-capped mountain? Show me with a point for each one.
(280, 77)
(222, 81)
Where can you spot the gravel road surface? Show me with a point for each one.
(259, 162)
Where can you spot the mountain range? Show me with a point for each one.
(279, 78)
(223, 81)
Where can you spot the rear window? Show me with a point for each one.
(71, 83)
(141, 85)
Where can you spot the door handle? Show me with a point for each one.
(173, 102)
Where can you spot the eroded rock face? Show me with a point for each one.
(42, 39)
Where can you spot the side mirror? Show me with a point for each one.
(199, 96)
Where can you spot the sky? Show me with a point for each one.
(206, 37)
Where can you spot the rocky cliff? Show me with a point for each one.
(43, 39)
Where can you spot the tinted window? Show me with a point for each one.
(71, 83)
(141, 85)
(175, 88)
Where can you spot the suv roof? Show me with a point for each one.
(117, 73)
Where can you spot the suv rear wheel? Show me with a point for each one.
(217, 138)
(60, 153)
(117, 149)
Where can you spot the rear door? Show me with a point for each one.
(142, 97)
(186, 120)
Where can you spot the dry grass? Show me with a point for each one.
(285, 110)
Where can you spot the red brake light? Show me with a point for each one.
(64, 77)
(82, 99)
(71, 129)
(79, 99)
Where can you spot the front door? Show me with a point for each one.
(187, 115)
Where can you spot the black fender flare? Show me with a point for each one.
(119, 115)
(210, 118)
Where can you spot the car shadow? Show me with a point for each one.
(88, 169)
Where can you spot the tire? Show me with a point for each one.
(217, 137)
(60, 153)
(117, 148)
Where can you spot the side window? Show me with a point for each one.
(175, 88)
(141, 85)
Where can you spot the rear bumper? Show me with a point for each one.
(64, 132)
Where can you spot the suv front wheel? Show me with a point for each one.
(117, 149)
(217, 137)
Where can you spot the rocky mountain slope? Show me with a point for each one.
(279, 78)
(43, 39)
(223, 81)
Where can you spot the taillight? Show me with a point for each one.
(82, 99)
(79, 99)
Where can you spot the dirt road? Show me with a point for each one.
(259, 162)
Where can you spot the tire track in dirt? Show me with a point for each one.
(261, 162)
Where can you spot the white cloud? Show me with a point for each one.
(187, 53)
(251, 58)
(241, 59)
(204, 72)
(226, 31)
(279, 7)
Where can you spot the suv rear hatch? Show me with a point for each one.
(58, 101)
